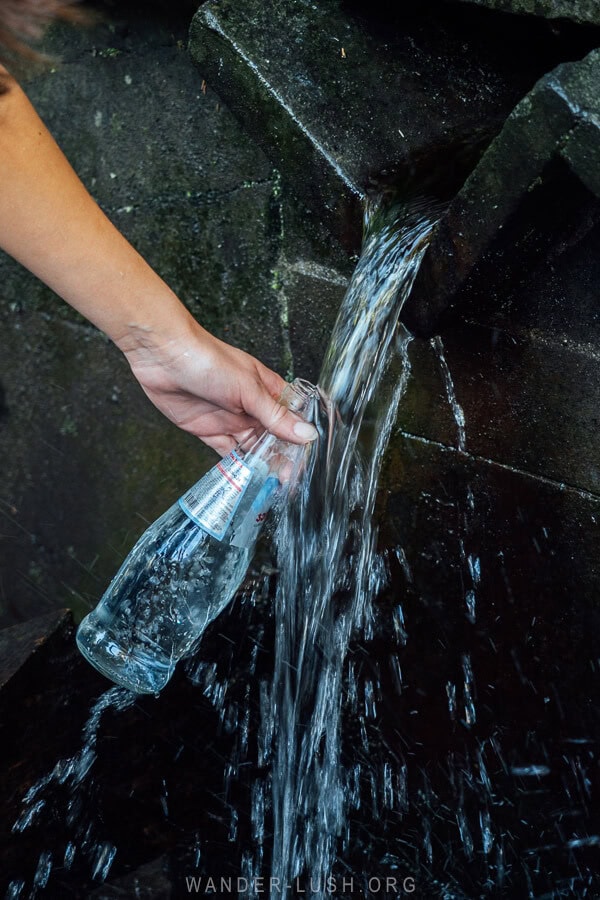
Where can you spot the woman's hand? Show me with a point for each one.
(211, 389)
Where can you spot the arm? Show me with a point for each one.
(51, 225)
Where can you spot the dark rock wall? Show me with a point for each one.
(87, 461)
(581, 11)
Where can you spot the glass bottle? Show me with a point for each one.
(186, 567)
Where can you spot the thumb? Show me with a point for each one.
(280, 421)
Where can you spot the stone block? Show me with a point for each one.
(344, 103)
(543, 126)
(528, 403)
(313, 295)
(584, 12)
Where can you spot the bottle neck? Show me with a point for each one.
(300, 397)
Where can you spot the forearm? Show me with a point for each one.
(49, 222)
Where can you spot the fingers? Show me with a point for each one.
(223, 444)
(275, 417)
(279, 420)
(219, 393)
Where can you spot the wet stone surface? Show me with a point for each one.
(343, 101)
(500, 583)
(557, 119)
(584, 12)
(470, 727)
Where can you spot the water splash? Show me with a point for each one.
(103, 859)
(73, 770)
(73, 773)
(468, 691)
(457, 410)
(42, 873)
(320, 602)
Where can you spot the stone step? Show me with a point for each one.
(345, 104)
(558, 120)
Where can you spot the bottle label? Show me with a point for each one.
(212, 502)
(247, 531)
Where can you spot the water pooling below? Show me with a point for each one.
(431, 731)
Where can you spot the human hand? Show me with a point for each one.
(211, 389)
(50, 223)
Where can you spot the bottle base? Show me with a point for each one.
(135, 671)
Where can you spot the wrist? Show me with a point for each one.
(160, 327)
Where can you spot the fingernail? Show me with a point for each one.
(305, 431)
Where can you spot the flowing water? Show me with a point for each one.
(328, 567)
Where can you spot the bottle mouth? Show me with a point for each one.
(301, 384)
(296, 394)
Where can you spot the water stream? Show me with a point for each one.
(329, 571)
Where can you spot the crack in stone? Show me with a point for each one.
(196, 198)
(474, 457)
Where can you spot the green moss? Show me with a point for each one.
(68, 427)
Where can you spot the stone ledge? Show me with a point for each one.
(344, 105)
(19, 643)
(559, 117)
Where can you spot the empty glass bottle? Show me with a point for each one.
(186, 567)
